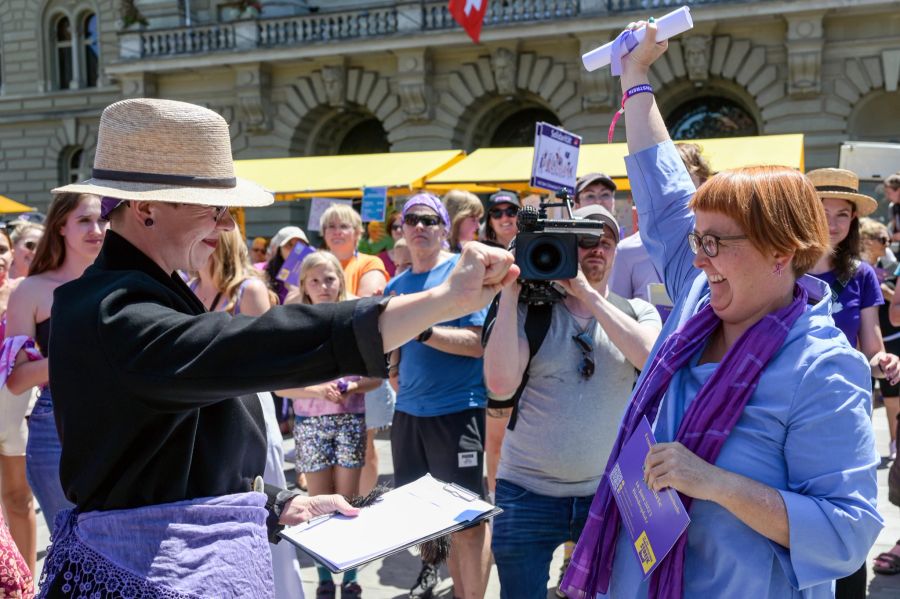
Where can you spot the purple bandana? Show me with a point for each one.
(707, 423)
(430, 201)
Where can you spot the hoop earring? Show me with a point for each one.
(148, 222)
(779, 269)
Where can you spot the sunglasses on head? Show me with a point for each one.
(586, 344)
(508, 211)
(427, 220)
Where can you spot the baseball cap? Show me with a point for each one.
(591, 178)
(599, 213)
(285, 234)
(504, 197)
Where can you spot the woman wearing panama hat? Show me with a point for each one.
(855, 290)
(163, 440)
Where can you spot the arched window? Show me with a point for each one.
(518, 128)
(709, 117)
(90, 50)
(367, 137)
(62, 37)
(73, 167)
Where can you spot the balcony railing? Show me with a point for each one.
(391, 18)
(437, 15)
(326, 27)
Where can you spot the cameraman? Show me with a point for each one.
(568, 413)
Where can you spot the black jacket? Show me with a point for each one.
(155, 397)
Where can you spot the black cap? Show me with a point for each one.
(591, 178)
(504, 197)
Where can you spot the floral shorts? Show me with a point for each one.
(332, 440)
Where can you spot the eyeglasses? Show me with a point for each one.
(586, 344)
(709, 242)
(428, 220)
(509, 211)
(30, 245)
(218, 211)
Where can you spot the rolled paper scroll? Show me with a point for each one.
(677, 21)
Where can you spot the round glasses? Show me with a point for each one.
(709, 242)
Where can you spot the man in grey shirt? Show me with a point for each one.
(579, 381)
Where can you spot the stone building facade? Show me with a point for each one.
(306, 77)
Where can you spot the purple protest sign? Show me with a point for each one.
(654, 521)
(290, 270)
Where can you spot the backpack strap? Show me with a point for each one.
(622, 304)
(537, 323)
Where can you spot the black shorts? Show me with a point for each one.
(887, 389)
(449, 447)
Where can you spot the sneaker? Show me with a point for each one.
(425, 584)
(350, 590)
(325, 590)
(562, 572)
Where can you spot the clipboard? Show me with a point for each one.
(421, 511)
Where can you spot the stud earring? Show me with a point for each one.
(148, 222)
(779, 269)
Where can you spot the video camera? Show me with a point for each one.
(547, 250)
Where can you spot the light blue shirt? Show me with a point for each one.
(806, 430)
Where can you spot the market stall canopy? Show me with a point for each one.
(490, 169)
(345, 176)
(8, 206)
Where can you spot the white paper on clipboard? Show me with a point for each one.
(403, 517)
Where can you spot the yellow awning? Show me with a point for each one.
(345, 176)
(490, 169)
(7, 205)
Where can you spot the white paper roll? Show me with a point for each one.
(677, 21)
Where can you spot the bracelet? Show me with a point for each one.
(644, 88)
(425, 335)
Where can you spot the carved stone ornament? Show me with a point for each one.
(335, 79)
(503, 62)
(696, 57)
(805, 40)
(252, 87)
(597, 88)
(412, 85)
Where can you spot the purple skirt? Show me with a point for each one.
(214, 546)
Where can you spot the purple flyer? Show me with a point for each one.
(654, 521)
(290, 270)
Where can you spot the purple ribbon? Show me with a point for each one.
(630, 42)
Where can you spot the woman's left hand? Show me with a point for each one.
(890, 366)
(302, 508)
(673, 465)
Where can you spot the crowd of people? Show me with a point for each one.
(182, 356)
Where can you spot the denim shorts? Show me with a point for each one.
(380, 407)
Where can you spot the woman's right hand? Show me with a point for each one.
(636, 64)
(330, 392)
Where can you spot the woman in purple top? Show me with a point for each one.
(330, 422)
(855, 291)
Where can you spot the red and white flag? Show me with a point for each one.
(469, 14)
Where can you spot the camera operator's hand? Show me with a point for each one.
(579, 287)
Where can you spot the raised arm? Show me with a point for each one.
(660, 183)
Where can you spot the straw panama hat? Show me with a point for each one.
(166, 151)
(842, 184)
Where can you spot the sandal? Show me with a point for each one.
(893, 561)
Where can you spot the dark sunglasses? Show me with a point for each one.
(30, 245)
(586, 344)
(588, 242)
(882, 240)
(428, 220)
(499, 212)
(397, 227)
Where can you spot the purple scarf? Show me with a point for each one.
(707, 423)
